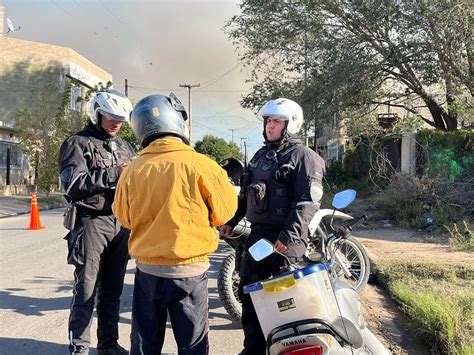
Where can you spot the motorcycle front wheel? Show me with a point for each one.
(227, 286)
(352, 263)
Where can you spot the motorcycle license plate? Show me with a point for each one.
(280, 284)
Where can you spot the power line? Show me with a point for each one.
(110, 12)
(212, 81)
(61, 8)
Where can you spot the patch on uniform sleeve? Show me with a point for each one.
(316, 191)
(66, 174)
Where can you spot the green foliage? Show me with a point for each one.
(127, 134)
(217, 148)
(42, 123)
(337, 56)
(448, 154)
(335, 175)
(438, 299)
(406, 126)
(92, 90)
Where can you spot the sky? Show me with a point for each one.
(157, 45)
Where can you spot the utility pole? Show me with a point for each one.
(232, 130)
(189, 87)
(245, 154)
(241, 143)
(126, 87)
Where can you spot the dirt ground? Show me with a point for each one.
(381, 312)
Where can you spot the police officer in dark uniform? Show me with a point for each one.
(91, 162)
(280, 194)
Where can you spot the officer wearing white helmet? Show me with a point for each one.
(91, 162)
(281, 191)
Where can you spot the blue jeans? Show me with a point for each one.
(186, 302)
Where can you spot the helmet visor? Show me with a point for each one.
(177, 105)
(281, 117)
(114, 117)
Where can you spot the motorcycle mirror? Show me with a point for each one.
(261, 249)
(344, 198)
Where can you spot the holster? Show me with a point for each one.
(69, 220)
(257, 195)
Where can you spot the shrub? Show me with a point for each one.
(461, 238)
(407, 197)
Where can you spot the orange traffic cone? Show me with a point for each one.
(34, 215)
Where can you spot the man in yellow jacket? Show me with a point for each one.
(171, 198)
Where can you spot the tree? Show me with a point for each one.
(127, 133)
(340, 55)
(217, 148)
(44, 121)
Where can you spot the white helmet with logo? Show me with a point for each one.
(285, 110)
(112, 103)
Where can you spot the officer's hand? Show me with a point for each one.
(225, 230)
(282, 248)
(121, 168)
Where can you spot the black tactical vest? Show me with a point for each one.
(269, 189)
(107, 153)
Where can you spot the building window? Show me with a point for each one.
(15, 154)
(335, 151)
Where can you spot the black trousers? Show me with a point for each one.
(98, 248)
(186, 302)
(252, 271)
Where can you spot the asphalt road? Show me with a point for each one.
(36, 288)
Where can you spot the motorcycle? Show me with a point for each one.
(309, 309)
(353, 264)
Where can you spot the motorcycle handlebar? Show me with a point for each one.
(356, 222)
(344, 232)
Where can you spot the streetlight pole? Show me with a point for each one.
(189, 87)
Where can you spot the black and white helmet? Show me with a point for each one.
(113, 103)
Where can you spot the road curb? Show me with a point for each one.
(41, 208)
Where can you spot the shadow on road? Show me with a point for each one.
(37, 306)
(30, 346)
(30, 306)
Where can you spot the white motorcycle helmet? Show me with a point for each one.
(113, 103)
(285, 110)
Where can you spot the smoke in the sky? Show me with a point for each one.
(156, 45)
